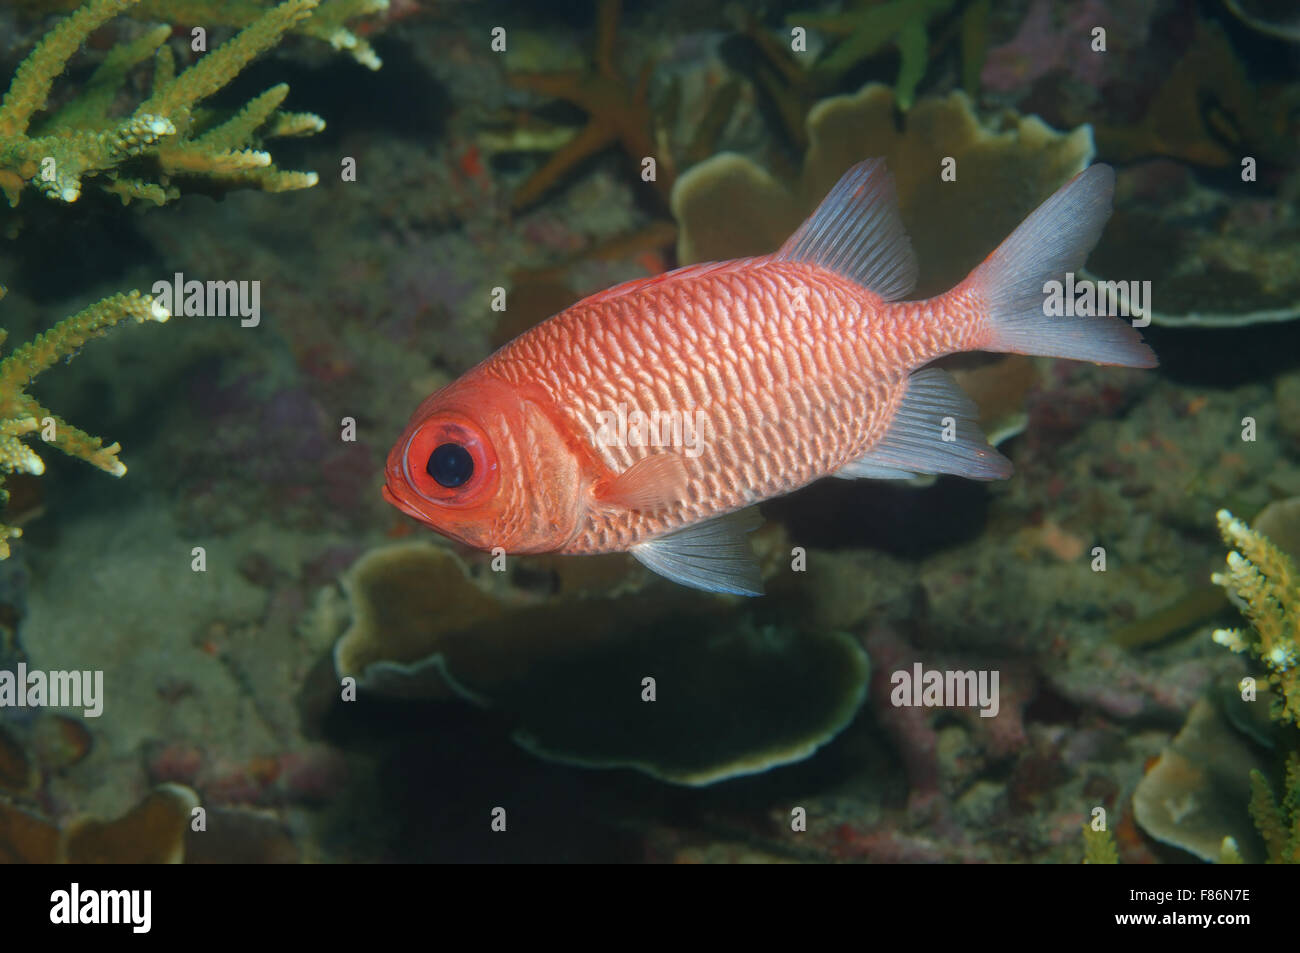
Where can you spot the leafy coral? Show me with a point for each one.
(21, 415)
(168, 138)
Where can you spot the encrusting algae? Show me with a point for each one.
(21, 415)
(168, 137)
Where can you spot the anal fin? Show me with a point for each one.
(915, 441)
(713, 555)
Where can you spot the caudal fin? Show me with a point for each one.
(1053, 240)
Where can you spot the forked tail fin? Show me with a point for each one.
(1053, 240)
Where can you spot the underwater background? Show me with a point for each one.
(332, 682)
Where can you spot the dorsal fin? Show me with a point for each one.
(686, 271)
(858, 233)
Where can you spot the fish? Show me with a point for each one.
(653, 417)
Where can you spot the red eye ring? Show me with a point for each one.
(436, 431)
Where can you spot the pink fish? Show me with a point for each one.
(650, 418)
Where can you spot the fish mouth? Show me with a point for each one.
(401, 504)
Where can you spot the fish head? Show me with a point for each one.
(482, 463)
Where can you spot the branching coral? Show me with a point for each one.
(1099, 846)
(1279, 824)
(20, 413)
(167, 137)
(330, 23)
(1263, 582)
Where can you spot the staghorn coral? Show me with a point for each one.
(1279, 824)
(21, 415)
(1099, 846)
(168, 137)
(1263, 582)
(330, 23)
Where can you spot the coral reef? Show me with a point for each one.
(160, 829)
(617, 111)
(864, 29)
(1099, 846)
(152, 832)
(26, 837)
(1270, 19)
(1278, 823)
(1176, 125)
(227, 679)
(329, 23)
(168, 138)
(729, 207)
(21, 415)
(1262, 580)
(421, 626)
(332, 22)
(1195, 796)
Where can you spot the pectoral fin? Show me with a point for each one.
(652, 483)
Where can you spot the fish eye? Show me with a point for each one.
(450, 465)
(449, 460)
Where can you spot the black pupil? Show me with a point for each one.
(451, 465)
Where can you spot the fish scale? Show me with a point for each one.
(803, 364)
(826, 408)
